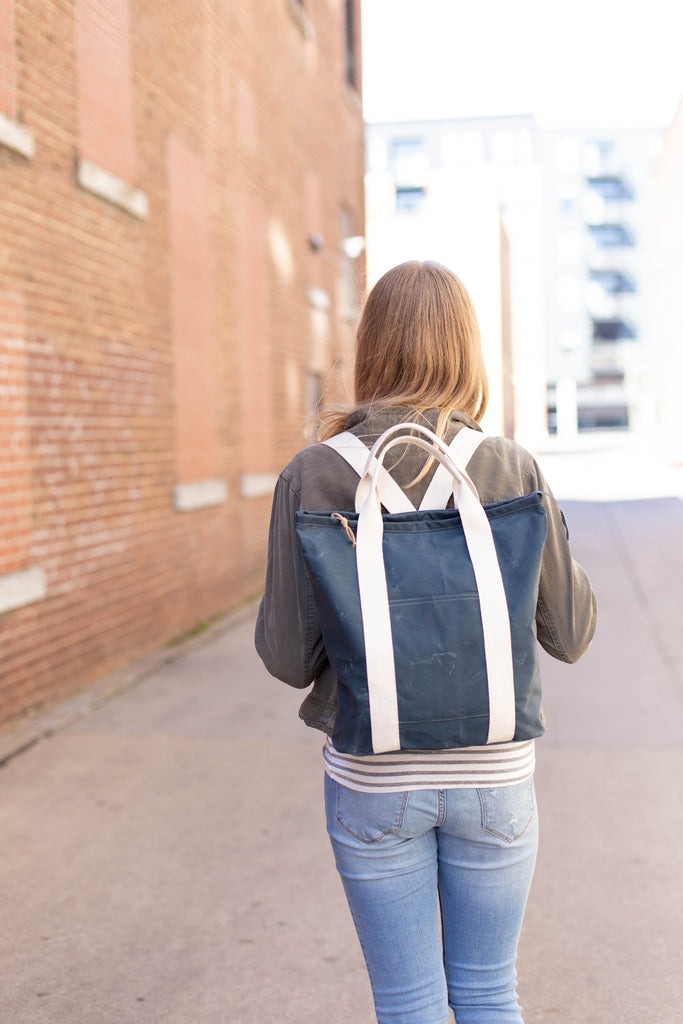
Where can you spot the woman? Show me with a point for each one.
(421, 833)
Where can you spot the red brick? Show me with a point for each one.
(8, 91)
(195, 355)
(163, 350)
(105, 93)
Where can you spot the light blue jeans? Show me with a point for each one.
(400, 856)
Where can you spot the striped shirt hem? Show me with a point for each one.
(501, 764)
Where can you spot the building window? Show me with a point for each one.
(610, 236)
(314, 393)
(347, 304)
(604, 417)
(15, 481)
(409, 162)
(105, 86)
(612, 282)
(610, 187)
(13, 135)
(612, 330)
(194, 343)
(611, 378)
(410, 200)
(351, 55)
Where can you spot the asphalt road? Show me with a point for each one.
(163, 858)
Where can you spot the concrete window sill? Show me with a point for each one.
(108, 186)
(202, 494)
(18, 589)
(257, 485)
(16, 137)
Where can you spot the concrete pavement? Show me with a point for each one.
(164, 856)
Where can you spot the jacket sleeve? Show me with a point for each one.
(566, 614)
(288, 637)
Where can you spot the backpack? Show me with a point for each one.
(427, 615)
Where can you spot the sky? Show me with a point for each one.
(586, 64)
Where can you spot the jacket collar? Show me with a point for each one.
(369, 419)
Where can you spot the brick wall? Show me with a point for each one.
(15, 481)
(162, 313)
(8, 64)
(106, 121)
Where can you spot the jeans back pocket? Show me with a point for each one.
(369, 817)
(507, 811)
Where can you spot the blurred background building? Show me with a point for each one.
(177, 293)
(551, 233)
(666, 359)
(597, 256)
(466, 193)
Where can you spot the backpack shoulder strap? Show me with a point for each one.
(462, 448)
(352, 449)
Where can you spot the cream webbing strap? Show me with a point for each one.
(394, 499)
(357, 455)
(461, 449)
(375, 601)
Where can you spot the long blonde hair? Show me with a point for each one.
(418, 345)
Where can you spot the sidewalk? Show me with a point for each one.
(614, 466)
(164, 859)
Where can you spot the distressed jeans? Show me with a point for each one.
(402, 857)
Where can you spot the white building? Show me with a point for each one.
(666, 360)
(548, 231)
(597, 250)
